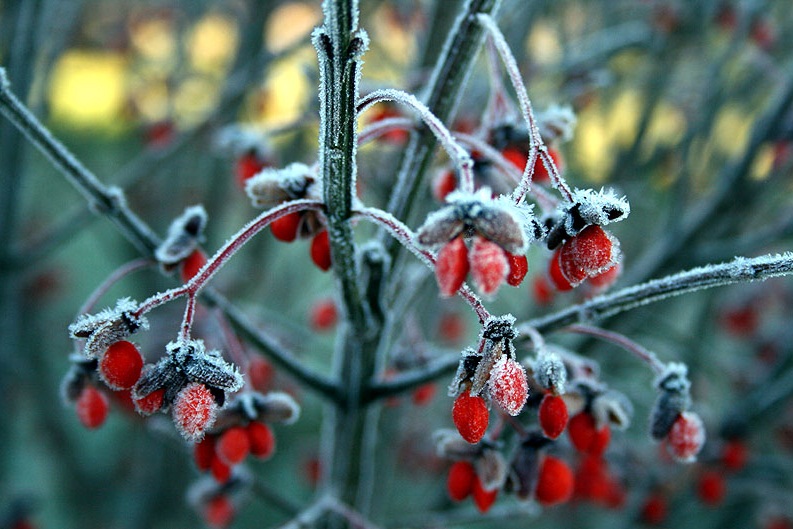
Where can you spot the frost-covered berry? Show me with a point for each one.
(192, 264)
(555, 481)
(686, 437)
(553, 415)
(470, 416)
(219, 512)
(508, 385)
(262, 439)
(451, 266)
(92, 407)
(555, 274)
(320, 250)
(151, 403)
(518, 268)
(711, 487)
(590, 253)
(460, 481)
(483, 498)
(585, 435)
(489, 265)
(233, 445)
(194, 410)
(121, 365)
(285, 228)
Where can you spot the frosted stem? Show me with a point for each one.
(623, 341)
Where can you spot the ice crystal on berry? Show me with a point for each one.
(194, 410)
(508, 385)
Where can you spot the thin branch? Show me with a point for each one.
(622, 341)
(739, 270)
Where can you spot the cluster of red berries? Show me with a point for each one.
(219, 452)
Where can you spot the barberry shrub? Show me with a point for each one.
(499, 193)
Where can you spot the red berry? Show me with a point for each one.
(470, 416)
(121, 364)
(558, 279)
(92, 407)
(192, 264)
(285, 228)
(260, 373)
(444, 183)
(741, 321)
(778, 522)
(451, 327)
(489, 265)
(605, 279)
(460, 482)
(451, 266)
(584, 435)
(734, 454)
(159, 134)
(219, 512)
(592, 479)
(262, 440)
(517, 157)
(518, 268)
(194, 411)
(151, 403)
(654, 509)
(247, 166)
(555, 481)
(542, 290)
(204, 453)
(553, 415)
(587, 254)
(508, 385)
(711, 487)
(320, 250)
(423, 394)
(233, 445)
(483, 499)
(324, 315)
(220, 470)
(686, 437)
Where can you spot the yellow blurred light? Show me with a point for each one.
(764, 162)
(154, 38)
(285, 91)
(624, 117)
(193, 99)
(212, 43)
(87, 89)
(151, 100)
(289, 23)
(666, 128)
(731, 130)
(592, 145)
(394, 38)
(543, 44)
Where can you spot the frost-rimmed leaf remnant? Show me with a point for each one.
(587, 207)
(673, 399)
(102, 329)
(549, 371)
(184, 234)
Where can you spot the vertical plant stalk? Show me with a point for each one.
(339, 45)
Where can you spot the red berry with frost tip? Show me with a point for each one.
(605, 279)
(489, 265)
(262, 440)
(151, 403)
(194, 410)
(654, 509)
(192, 264)
(470, 416)
(320, 250)
(92, 407)
(518, 268)
(460, 482)
(233, 445)
(555, 482)
(219, 512)
(323, 315)
(586, 437)
(508, 385)
(686, 437)
(483, 498)
(285, 228)
(121, 365)
(553, 416)
(589, 253)
(204, 453)
(451, 266)
(711, 487)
